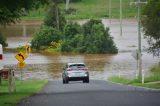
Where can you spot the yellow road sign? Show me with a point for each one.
(28, 49)
(21, 56)
(21, 64)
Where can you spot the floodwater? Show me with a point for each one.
(101, 66)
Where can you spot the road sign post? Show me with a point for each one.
(21, 56)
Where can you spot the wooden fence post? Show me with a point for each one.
(11, 81)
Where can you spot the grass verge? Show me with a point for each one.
(24, 89)
(155, 77)
(135, 82)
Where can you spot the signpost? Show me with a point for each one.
(21, 56)
(21, 64)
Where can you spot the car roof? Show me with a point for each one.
(74, 63)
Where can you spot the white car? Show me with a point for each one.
(75, 72)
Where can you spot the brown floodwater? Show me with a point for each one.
(101, 66)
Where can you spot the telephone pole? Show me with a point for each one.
(140, 73)
(109, 12)
(120, 17)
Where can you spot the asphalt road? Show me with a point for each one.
(96, 93)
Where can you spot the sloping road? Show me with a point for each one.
(96, 93)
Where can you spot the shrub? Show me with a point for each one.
(45, 36)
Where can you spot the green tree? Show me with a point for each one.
(151, 26)
(54, 18)
(11, 10)
(97, 38)
(92, 37)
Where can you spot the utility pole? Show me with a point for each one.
(120, 17)
(67, 5)
(140, 73)
(139, 42)
(109, 12)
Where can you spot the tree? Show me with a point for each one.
(97, 38)
(151, 26)
(54, 18)
(11, 10)
(92, 37)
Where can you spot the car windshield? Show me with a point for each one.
(77, 66)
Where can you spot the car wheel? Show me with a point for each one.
(66, 81)
(87, 80)
(63, 81)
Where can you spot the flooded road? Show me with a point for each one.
(100, 65)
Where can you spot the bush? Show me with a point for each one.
(92, 37)
(45, 36)
(71, 30)
(3, 40)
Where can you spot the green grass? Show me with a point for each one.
(89, 9)
(155, 69)
(153, 78)
(100, 9)
(24, 89)
(133, 82)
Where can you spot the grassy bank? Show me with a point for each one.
(87, 9)
(133, 82)
(23, 89)
(155, 77)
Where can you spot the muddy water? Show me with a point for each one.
(100, 66)
(20, 33)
